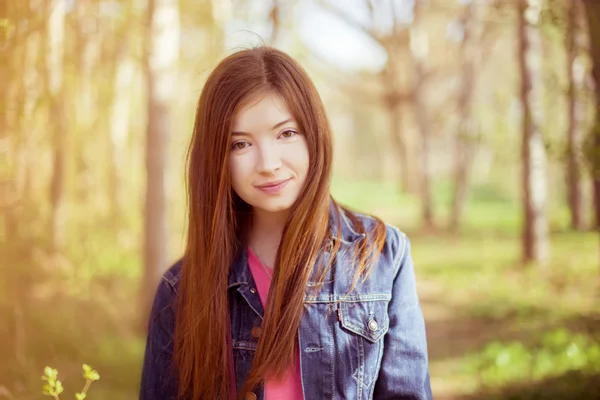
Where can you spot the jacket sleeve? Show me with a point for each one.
(158, 373)
(404, 372)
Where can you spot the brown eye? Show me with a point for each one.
(240, 145)
(288, 134)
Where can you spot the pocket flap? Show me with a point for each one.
(368, 319)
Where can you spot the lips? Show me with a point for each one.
(272, 184)
(273, 188)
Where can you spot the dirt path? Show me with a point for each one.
(450, 335)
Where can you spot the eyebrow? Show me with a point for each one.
(277, 125)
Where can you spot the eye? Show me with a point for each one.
(240, 145)
(288, 134)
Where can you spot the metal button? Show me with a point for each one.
(255, 332)
(250, 396)
(252, 290)
(373, 325)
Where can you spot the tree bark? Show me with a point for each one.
(592, 8)
(575, 113)
(119, 128)
(419, 51)
(465, 136)
(394, 103)
(162, 49)
(274, 17)
(536, 246)
(54, 82)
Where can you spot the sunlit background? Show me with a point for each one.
(468, 124)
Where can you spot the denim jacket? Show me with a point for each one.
(369, 344)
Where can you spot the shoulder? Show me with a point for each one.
(172, 276)
(164, 307)
(396, 245)
(167, 290)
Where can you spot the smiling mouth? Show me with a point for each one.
(272, 184)
(274, 188)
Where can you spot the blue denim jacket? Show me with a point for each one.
(367, 345)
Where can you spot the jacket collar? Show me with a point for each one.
(340, 228)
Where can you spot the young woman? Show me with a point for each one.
(281, 293)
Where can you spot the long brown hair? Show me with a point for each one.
(218, 219)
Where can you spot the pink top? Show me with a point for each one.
(290, 386)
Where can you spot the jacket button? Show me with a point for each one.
(255, 332)
(252, 290)
(373, 325)
(250, 396)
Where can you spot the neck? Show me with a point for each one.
(265, 235)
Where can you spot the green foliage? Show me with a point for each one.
(90, 374)
(7, 27)
(559, 365)
(54, 388)
(555, 353)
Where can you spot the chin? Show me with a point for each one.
(274, 206)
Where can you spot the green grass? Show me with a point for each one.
(488, 280)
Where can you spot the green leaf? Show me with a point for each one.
(50, 372)
(59, 387)
(93, 376)
(80, 396)
(47, 390)
(89, 373)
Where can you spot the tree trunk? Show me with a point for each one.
(419, 49)
(274, 17)
(393, 105)
(535, 231)
(119, 128)
(54, 81)
(575, 112)
(162, 49)
(465, 136)
(87, 106)
(593, 18)
(394, 109)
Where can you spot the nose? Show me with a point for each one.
(269, 159)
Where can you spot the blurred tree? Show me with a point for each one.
(592, 8)
(536, 245)
(419, 49)
(121, 60)
(466, 132)
(54, 81)
(576, 78)
(86, 48)
(394, 76)
(162, 50)
(274, 17)
(404, 78)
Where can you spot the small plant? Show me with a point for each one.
(53, 386)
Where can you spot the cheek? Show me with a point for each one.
(302, 158)
(237, 174)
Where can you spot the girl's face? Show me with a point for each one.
(269, 155)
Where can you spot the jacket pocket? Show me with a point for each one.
(363, 325)
(368, 319)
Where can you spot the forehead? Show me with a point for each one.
(261, 113)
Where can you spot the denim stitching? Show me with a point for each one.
(244, 345)
(332, 355)
(378, 369)
(332, 298)
(346, 322)
(312, 349)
